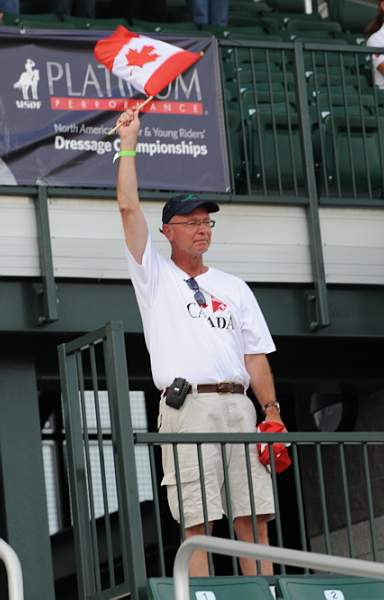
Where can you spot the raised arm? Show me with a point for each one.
(134, 223)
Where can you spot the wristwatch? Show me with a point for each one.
(269, 405)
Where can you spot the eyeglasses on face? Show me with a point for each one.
(195, 223)
(198, 295)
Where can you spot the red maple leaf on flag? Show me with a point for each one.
(138, 58)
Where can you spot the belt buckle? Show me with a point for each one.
(225, 387)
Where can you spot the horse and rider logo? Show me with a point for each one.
(28, 85)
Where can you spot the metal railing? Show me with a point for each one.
(325, 468)
(332, 480)
(109, 549)
(296, 558)
(301, 114)
(14, 572)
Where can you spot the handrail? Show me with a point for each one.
(14, 573)
(296, 558)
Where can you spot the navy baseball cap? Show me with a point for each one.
(185, 204)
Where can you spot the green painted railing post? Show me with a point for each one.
(127, 489)
(319, 297)
(76, 472)
(48, 312)
(73, 362)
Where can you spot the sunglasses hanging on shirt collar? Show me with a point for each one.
(198, 294)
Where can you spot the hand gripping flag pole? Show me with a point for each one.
(138, 108)
(147, 64)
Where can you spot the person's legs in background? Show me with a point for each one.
(60, 7)
(78, 8)
(12, 6)
(85, 8)
(218, 12)
(199, 10)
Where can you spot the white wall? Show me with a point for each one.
(257, 243)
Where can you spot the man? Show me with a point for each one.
(204, 326)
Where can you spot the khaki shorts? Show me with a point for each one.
(213, 413)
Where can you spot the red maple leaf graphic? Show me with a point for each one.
(138, 58)
(218, 305)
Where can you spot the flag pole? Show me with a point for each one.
(138, 108)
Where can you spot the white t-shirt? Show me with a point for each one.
(202, 344)
(376, 40)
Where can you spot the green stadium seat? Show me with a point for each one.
(265, 92)
(319, 83)
(318, 37)
(363, 101)
(344, 91)
(233, 89)
(274, 21)
(243, 55)
(258, 71)
(244, 5)
(323, 58)
(216, 30)
(239, 20)
(247, 33)
(314, 587)
(16, 19)
(322, 36)
(290, 6)
(238, 145)
(310, 26)
(252, 102)
(353, 146)
(180, 27)
(26, 22)
(222, 588)
(159, 26)
(85, 23)
(276, 151)
(287, 16)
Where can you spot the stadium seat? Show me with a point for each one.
(16, 19)
(243, 5)
(159, 26)
(353, 147)
(276, 151)
(364, 102)
(27, 23)
(321, 36)
(258, 54)
(216, 30)
(318, 58)
(319, 82)
(315, 588)
(251, 102)
(305, 25)
(247, 33)
(239, 20)
(291, 6)
(236, 142)
(221, 588)
(85, 23)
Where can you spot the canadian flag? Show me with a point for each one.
(149, 65)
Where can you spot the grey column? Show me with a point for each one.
(24, 520)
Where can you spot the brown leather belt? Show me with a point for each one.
(224, 387)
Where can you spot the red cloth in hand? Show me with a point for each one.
(280, 451)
